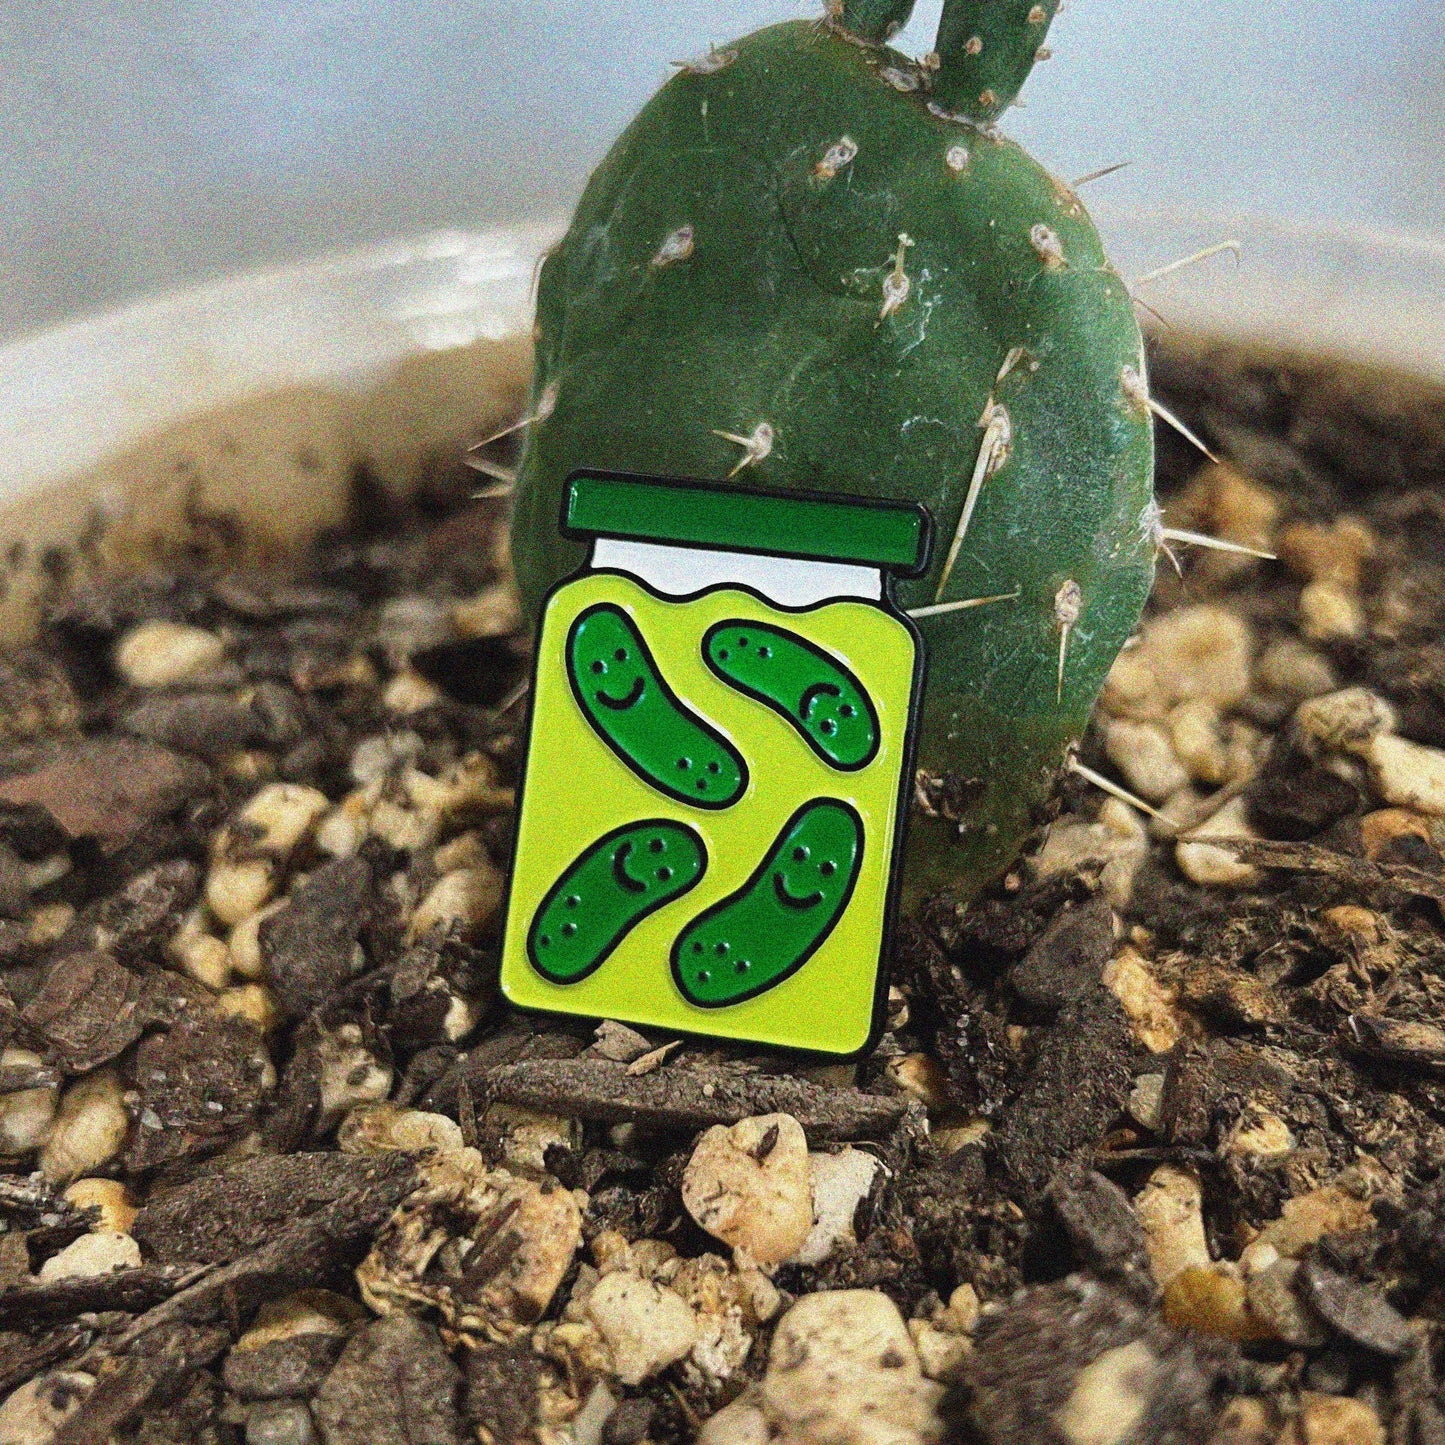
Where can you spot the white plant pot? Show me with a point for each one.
(242, 407)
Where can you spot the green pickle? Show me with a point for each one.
(608, 891)
(630, 706)
(769, 928)
(823, 700)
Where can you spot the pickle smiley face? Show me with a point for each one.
(607, 891)
(625, 698)
(769, 928)
(820, 697)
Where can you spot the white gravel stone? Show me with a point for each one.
(33, 1414)
(1408, 775)
(117, 1210)
(89, 1128)
(1171, 1210)
(307, 1312)
(236, 890)
(280, 1422)
(1202, 862)
(166, 654)
(1346, 721)
(350, 1074)
(1110, 1395)
(468, 788)
(1144, 754)
(1196, 732)
(409, 692)
(281, 816)
(1329, 611)
(749, 1186)
(1202, 651)
(1118, 839)
(1146, 1102)
(525, 1135)
(645, 1325)
(466, 899)
(25, 1114)
(205, 958)
(843, 1371)
(100, 1252)
(1289, 669)
(1155, 1018)
(244, 941)
(741, 1423)
(380, 1128)
(841, 1182)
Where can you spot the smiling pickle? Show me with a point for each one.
(797, 679)
(624, 697)
(765, 932)
(608, 891)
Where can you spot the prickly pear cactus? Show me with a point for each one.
(814, 263)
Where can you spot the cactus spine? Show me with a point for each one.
(811, 262)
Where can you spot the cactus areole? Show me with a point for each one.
(813, 263)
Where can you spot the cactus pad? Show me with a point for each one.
(813, 263)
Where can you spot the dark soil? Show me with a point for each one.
(1005, 1100)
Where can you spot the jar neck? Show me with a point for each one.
(786, 581)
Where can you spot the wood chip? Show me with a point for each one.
(688, 1099)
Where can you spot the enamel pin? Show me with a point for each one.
(718, 762)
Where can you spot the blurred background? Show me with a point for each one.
(150, 143)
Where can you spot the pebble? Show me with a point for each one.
(1382, 827)
(1201, 862)
(921, 1078)
(842, 1370)
(646, 1325)
(619, 1043)
(236, 890)
(244, 942)
(741, 1423)
(117, 1210)
(466, 899)
(411, 624)
(1307, 1219)
(33, 1414)
(1334, 553)
(253, 1002)
(1276, 1304)
(748, 1185)
(1202, 651)
(1224, 503)
(409, 692)
(279, 817)
(1155, 1019)
(525, 1135)
(1359, 1312)
(1196, 733)
(1332, 1420)
(1408, 775)
(1347, 721)
(1132, 690)
(280, 1422)
(349, 1074)
(1212, 1299)
(1144, 755)
(1330, 613)
(306, 1312)
(165, 654)
(841, 1182)
(96, 1253)
(493, 613)
(1258, 1133)
(467, 789)
(1109, 1397)
(203, 957)
(25, 1114)
(1118, 840)
(1290, 670)
(89, 1128)
(1146, 1101)
(1171, 1211)
(379, 1128)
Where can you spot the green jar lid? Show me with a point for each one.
(817, 526)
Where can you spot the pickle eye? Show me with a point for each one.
(621, 654)
(599, 667)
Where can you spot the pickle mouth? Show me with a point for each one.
(624, 879)
(789, 900)
(620, 704)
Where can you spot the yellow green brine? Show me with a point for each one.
(718, 764)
